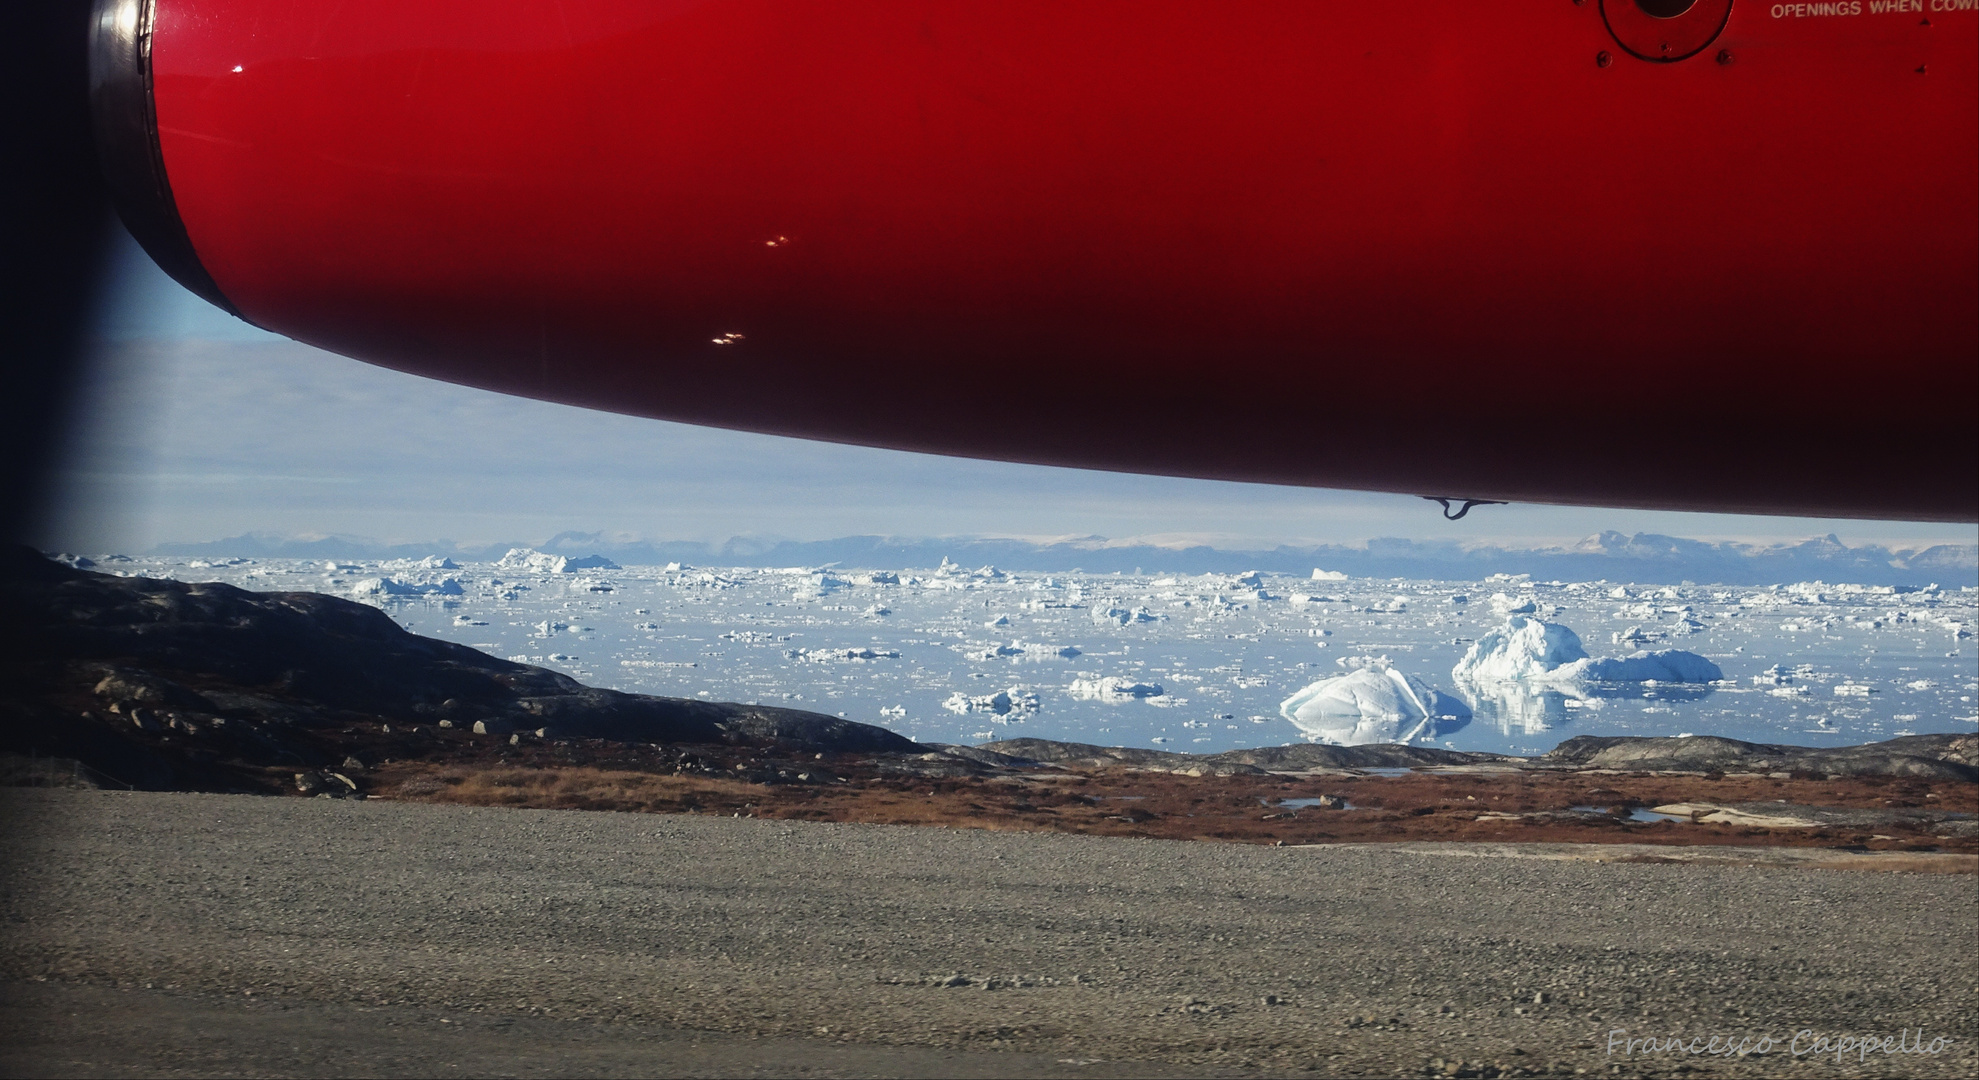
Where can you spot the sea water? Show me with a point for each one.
(1195, 663)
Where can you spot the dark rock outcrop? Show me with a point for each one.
(1087, 755)
(1947, 757)
(1300, 757)
(1303, 756)
(106, 669)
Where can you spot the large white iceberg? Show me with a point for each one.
(1014, 703)
(529, 560)
(1522, 649)
(389, 586)
(1373, 704)
(1531, 651)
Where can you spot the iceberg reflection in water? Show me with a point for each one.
(1521, 708)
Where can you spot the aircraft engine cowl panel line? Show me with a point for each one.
(1719, 255)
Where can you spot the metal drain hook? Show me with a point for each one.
(1464, 509)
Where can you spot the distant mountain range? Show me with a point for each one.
(1644, 558)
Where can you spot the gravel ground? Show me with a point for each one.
(873, 947)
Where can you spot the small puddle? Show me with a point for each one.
(1303, 804)
(1636, 813)
(1388, 770)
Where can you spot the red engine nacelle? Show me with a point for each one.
(1712, 255)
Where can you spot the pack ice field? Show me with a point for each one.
(1199, 663)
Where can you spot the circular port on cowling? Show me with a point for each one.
(1665, 31)
(1665, 9)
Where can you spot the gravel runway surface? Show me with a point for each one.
(598, 943)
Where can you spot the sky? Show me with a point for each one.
(195, 426)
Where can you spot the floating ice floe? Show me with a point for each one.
(1662, 666)
(1113, 688)
(384, 586)
(1327, 575)
(1781, 675)
(430, 562)
(1374, 703)
(829, 655)
(1686, 623)
(1013, 703)
(531, 561)
(1124, 616)
(1635, 635)
(816, 586)
(1507, 605)
(1029, 650)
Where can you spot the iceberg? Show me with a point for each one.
(1507, 605)
(817, 584)
(1521, 649)
(531, 561)
(1026, 649)
(1663, 666)
(395, 587)
(829, 655)
(1015, 703)
(1531, 651)
(1373, 703)
(430, 562)
(1113, 688)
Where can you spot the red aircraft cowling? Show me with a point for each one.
(1557, 251)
